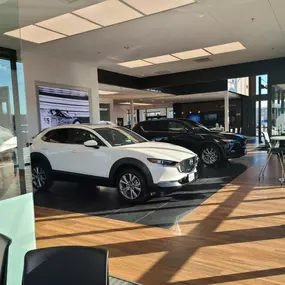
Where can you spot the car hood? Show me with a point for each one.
(161, 150)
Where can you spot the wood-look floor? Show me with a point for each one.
(236, 237)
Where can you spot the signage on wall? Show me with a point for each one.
(239, 85)
(61, 106)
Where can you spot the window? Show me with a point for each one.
(56, 136)
(152, 126)
(79, 136)
(174, 126)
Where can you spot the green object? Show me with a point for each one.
(18, 223)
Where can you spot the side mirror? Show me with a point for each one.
(91, 143)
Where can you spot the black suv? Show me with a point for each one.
(211, 146)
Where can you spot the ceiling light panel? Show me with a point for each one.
(135, 63)
(230, 47)
(161, 59)
(191, 54)
(149, 7)
(103, 92)
(68, 24)
(34, 34)
(108, 13)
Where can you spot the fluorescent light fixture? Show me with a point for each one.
(154, 6)
(161, 59)
(230, 47)
(68, 24)
(137, 104)
(191, 54)
(108, 13)
(34, 34)
(103, 92)
(135, 63)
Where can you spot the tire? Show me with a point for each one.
(134, 194)
(210, 155)
(41, 175)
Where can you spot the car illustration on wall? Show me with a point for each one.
(59, 118)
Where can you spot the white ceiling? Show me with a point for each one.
(258, 24)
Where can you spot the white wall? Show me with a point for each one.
(53, 70)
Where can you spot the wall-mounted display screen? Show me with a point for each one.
(210, 117)
(61, 106)
(194, 117)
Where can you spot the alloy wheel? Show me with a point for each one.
(130, 186)
(210, 155)
(39, 177)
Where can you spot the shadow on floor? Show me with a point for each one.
(161, 211)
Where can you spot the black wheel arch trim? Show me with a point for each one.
(131, 162)
(39, 156)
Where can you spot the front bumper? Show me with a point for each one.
(236, 150)
(187, 179)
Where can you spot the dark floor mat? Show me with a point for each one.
(160, 212)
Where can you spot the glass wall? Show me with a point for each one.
(14, 155)
(277, 110)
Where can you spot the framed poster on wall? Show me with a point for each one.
(62, 105)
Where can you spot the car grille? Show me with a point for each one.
(188, 165)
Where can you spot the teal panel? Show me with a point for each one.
(17, 222)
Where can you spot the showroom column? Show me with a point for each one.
(227, 107)
(94, 99)
(132, 114)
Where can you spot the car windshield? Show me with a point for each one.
(119, 136)
(195, 125)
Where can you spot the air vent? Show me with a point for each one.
(162, 72)
(204, 59)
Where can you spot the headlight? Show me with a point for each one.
(167, 163)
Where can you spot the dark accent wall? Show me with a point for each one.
(214, 107)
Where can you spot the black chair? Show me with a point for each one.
(67, 265)
(4, 251)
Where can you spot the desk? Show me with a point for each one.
(278, 138)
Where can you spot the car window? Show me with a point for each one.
(79, 136)
(56, 136)
(119, 136)
(158, 126)
(174, 126)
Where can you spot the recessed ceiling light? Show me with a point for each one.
(135, 63)
(230, 47)
(34, 34)
(138, 104)
(154, 6)
(103, 92)
(191, 54)
(108, 13)
(68, 24)
(161, 59)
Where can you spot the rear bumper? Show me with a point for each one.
(187, 179)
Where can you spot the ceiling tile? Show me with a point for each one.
(34, 34)
(161, 59)
(108, 13)
(154, 6)
(191, 54)
(68, 24)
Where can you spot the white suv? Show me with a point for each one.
(112, 156)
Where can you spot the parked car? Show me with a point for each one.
(112, 156)
(59, 117)
(212, 147)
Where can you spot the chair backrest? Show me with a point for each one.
(4, 250)
(266, 139)
(70, 265)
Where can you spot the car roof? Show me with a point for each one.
(159, 120)
(89, 126)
